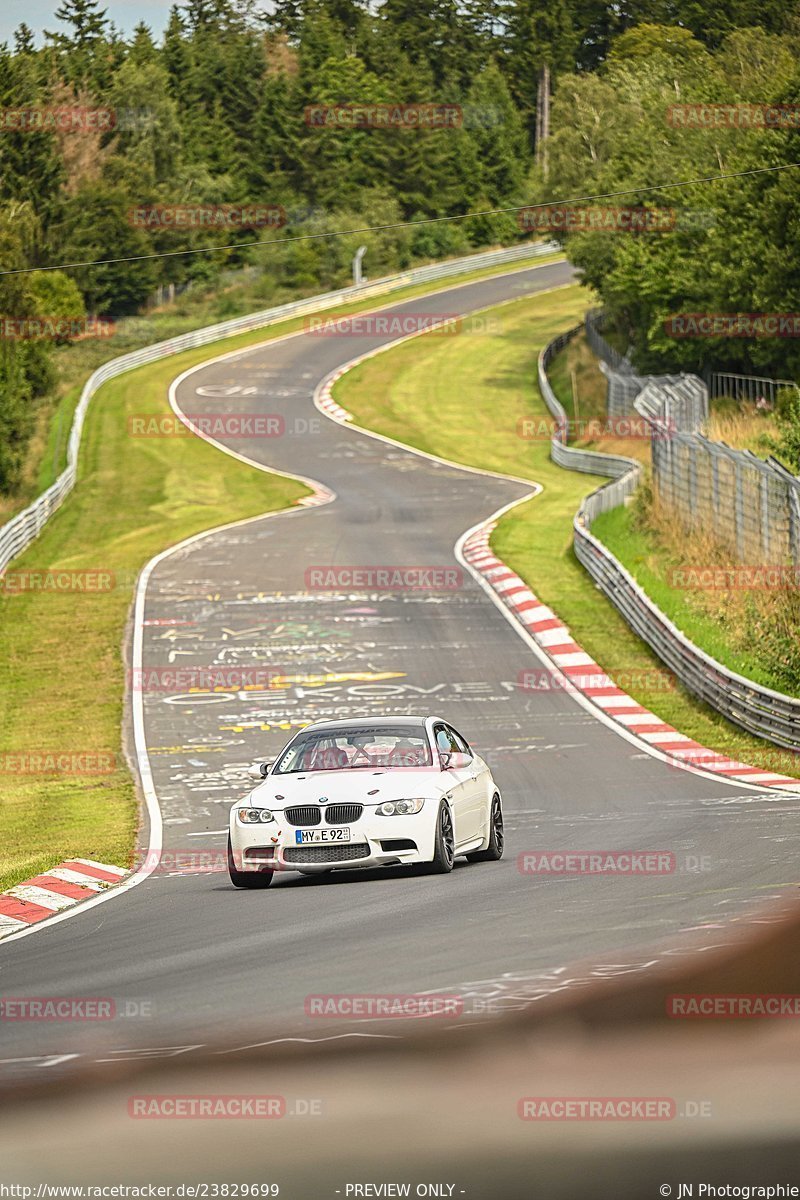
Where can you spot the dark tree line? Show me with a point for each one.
(212, 112)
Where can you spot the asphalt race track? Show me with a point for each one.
(192, 960)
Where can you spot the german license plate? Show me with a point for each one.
(305, 837)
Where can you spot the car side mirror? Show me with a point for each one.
(258, 771)
(457, 761)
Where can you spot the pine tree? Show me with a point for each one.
(96, 220)
(143, 48)
(436, 32)
(88, 21)
(499, 137)
(30, 165)
(287, 16)
(25, 370)
(276, 166)
(538, 33)
(81, 51)
(23, 40)
(175, 53)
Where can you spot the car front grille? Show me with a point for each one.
(325, 854)
(306, 814)
(342, 814)
(335, 814)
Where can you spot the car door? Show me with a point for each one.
(457, 779)
(475, 806)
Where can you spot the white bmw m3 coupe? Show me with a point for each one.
(366, 793)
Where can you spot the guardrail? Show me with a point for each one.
(592, 462)
(752, 504)
(758, 710)
(594, 324)
(25, 527)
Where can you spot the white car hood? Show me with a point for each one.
(351, 786)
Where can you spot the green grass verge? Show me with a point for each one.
(649, 563)
(576, 367)
(576, 359)
(47, 454)
(61, 671)
(462, 398)
(61, 666)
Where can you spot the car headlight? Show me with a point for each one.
(400, 808)
(254, 816)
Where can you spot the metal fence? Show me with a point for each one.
(731, 499)
(673, 403)
(624, 388)
(593, 462)
(624, 385)
(676, 410)
(759, 710)
(594, 323)
(21, 530)
(749, 504)
(751, 388)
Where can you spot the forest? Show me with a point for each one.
(102, 133)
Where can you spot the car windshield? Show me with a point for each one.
(355, 747)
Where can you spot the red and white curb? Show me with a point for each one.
(324, 398)
(319, 495)
(587, 677)
(554, 639)
(61, 887)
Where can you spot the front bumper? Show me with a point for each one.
(374, 842)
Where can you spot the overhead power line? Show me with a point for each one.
(313, 237)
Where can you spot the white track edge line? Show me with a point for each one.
(536, 488)
(153, 808)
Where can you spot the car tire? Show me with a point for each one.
(444, 847)
(494, 848)
(247, 879)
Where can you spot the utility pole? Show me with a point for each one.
(543, 118)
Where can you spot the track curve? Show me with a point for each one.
(196, 960)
